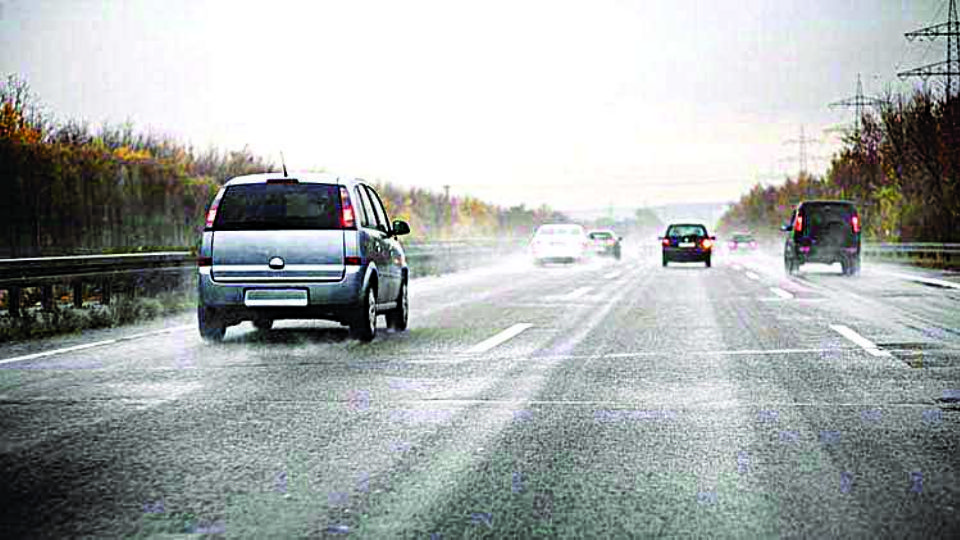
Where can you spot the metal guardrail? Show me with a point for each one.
(935, 253)
(105, 271)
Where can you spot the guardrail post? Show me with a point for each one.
(46, 297)
(78, 294)
(13, 301)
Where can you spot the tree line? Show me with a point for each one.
(72, 189)
(901, 168)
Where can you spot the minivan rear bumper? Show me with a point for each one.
(327, 299)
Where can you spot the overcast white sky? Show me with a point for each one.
(574, 104)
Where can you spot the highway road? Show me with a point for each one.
(596, 400)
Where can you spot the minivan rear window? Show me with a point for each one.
(279, 206)
(836, 210)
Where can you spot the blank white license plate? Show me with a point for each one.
(275, 298)
(687, 244)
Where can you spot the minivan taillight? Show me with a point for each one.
(347, 220)
(855, 222)
(212, 213)
(798, 224)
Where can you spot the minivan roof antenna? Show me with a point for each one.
(284, 163)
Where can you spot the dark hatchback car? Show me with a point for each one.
(687, 242)
(823, 232)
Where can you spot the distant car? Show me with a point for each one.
(559, 242)
(605, 242)
(687, 242)
(316, 246)
(741, 242)
(823, 232)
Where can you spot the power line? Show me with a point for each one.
(950, 68)
(858, 102)
(802, 142)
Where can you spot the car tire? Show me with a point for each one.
(211, 329)
(707, 262)
(790, 267)
(263, 324)
(364, 324)
(846, 268)
(665, 261)
(397, 318)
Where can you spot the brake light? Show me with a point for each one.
(798, 224)
(212, 213)
(855, 221)
(204, 261)
(706, 243)
(665, 242)
(352, 260)
(347, 220)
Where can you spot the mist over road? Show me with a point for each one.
(601, 399)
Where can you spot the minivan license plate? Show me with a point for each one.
(275, 298)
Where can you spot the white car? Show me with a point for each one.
(559, 242)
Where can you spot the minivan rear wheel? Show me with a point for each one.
(211, 329)
(364, 325)
(397, 317)
(263, 324)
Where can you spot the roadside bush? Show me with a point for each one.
(36, 324)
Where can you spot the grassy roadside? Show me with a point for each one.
(64, 319)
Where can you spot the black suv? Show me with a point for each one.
(823, 232)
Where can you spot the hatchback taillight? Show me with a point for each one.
(347, 219)
(855, 222)
(798, 224)
(212, 213)
(706, 243)
(665, 242)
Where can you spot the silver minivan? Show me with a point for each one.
(314, 246)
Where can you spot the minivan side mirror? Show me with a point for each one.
(785, 227)
(400, 227)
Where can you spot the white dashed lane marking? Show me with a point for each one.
(781, 293)
(492, 342)
(577, 293)
(611, 275)
(753, 276)
(863, 342)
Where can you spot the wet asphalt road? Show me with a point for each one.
(634, 400)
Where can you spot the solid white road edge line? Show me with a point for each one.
(91, 345)
(781, 293)
(492, 342)
(611, 275)
(751, 275)
(921, 279)
(863, 342)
